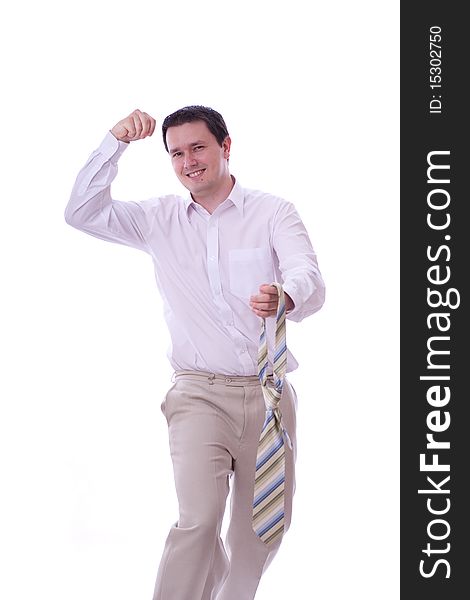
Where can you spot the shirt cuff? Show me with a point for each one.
(112, 148)
(291, 291)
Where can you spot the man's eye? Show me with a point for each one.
(176, 154)
(198, 147)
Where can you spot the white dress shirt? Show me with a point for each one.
(206, 265)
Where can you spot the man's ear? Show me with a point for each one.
(226, 146)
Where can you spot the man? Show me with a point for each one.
(220, 257)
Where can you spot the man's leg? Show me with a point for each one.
(249, 556)
(202, 439)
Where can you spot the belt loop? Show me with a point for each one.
(211, 378)
(173, 377)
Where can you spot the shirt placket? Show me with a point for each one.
(213, 270)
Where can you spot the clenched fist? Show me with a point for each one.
(265, 303)
(136, 126)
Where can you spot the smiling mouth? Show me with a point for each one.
(195, 173)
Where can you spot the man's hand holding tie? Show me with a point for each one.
(264, 304)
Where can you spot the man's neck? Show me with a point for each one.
(211, 201)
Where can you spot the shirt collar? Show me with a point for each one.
(236, 196)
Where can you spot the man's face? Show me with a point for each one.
(198, 160)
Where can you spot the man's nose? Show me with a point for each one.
(189, 161)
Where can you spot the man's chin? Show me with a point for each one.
(194, 186)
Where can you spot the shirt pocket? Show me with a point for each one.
(248, 269)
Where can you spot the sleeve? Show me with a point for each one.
(91, 208)
(301, 277)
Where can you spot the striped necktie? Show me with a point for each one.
(268, 500)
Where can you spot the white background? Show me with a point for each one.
(309, 91)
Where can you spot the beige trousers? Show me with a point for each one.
(214, 423)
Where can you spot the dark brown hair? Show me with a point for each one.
(188, 114)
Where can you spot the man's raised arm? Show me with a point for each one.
(91, 208)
